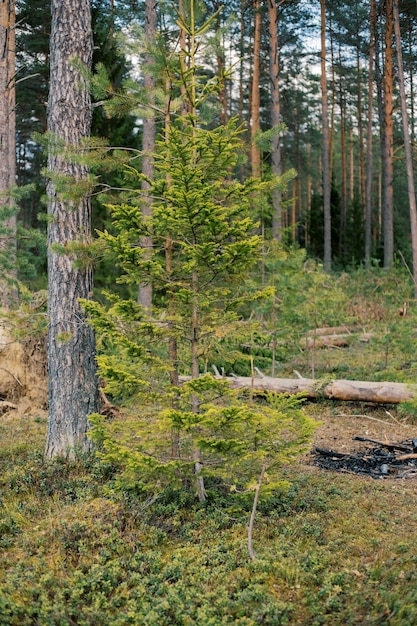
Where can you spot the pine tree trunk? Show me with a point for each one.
(343, 152)
(148, 147)
(360, 131)
(379, 78)
(255, 100)
(73, 389)
(276, 165)
(8, 294)
(326, 146)
(368, 176)
(388, 142)
(407, 144)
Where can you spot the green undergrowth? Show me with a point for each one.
(331, 548)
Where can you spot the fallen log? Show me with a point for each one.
(339, 340)
(326, 341)
(349, 390)
(334, 330)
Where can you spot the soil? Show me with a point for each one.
(344, 421)
(23, 380)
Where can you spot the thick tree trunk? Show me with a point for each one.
(148, 147)
(349, 390)
(8, 293)
(73, 389)
(327, 261)
(407, 144)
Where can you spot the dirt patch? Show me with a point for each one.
(341, 423)
(23, 379)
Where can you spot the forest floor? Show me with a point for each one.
(333, 548)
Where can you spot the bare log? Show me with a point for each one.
(332, 341)
(326, 341)
(334, 330)
(350, 390)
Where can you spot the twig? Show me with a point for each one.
(252, 515)
(4, 404)
(392, 417)
(12, 375)
(368, 417)
(407, 267)
(216, 371)
(298, 375)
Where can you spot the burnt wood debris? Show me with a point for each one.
(381, 459)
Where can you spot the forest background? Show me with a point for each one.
(366, 171)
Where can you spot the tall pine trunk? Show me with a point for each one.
(276, 165)
(255, 99)
(407, 143)
(73, 389)
(343, 153)
(8, 294)
(369, 170)
(326, 146)
(148, 147)
(360, 131)
(388, 142)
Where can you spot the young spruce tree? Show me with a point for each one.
(200, 219)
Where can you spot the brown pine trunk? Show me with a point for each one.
(407, 144)
(327, 262)
(148, 147)
(388, 142)
(242, 60)
(255, 100)
(360, 131)
(73, 389)
(221, 66)
(169, 247)
(343, 152)
(379, 80)
(8, 294)
(309, 190)
(369, 169)
(276, 165)
(332, 101)
(351, 164)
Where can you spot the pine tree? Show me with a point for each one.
(73, 387)
(7, 154)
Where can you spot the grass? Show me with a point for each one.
(332, 549)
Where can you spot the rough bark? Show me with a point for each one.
(327, 261)
(148, 147)
(407, 144)
(73, 388)
(348, 390)
(8, 294)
